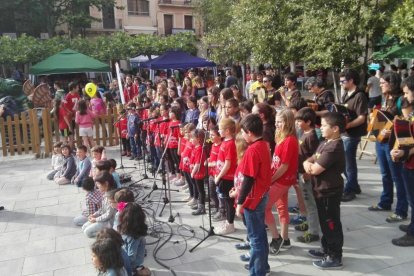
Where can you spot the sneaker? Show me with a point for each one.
(406, 240)
(138, 158)
(194, 206)
(172, 177)
(184, 187)
(188, 198)
(245, 257)
(200, 210)
(247, 267)
(377, 208)
(219, 216)
(346, 197)
(317, 254)
(132, 157)
(143, 271)
(187, 191)
(192, 202)
(179, 182)
(293, 209)
(395, 218)
(358, 190)
(328, 263)
(275, 246)
(403, 227)
(243, 246)
(297, 220)
(286, 244)
(302, 227)
(227, 228)
(308, 238)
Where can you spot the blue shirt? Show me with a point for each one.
(115, 175)
(133, 128)
(191, 116)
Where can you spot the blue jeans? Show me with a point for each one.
(351, 170)
(256, 233)
(133, 144)
(408, 177)
(391, 172)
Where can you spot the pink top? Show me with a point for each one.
(84, 121)
(98, 106)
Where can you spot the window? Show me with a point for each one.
(188, 22)
(138, 7)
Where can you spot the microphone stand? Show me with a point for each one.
(144, 175)
(210, 231)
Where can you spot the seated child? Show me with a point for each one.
(109, 233)
(93, 201)
(107, 258)
(115, 175)
(98, 153)
(133, 229)
(68, 169)
(57, 160)
(84, 166)
(122, 196)
(102, 165)
(105, 215)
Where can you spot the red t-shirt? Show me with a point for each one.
(198, 156)
(62, 114)
(185, 157)
(70, 101)
(287, 152)
(130, 92)
(256, 164)
(213, 158)
(151, 132)
(227, 152)
(238, 181)
(160, 131)
(122, 125)
(173, 134)
(143, 116)
(182, 142)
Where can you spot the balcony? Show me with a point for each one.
(175, 3)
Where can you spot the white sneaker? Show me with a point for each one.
(227, 228)
(192, 202)
(187, 191)
(188, 198)
(179, 182)
(184, 187)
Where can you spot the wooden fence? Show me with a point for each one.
(36, 130)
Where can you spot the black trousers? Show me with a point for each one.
(191, 185)
(329, 212)
(173, 160)
(201, 191)
(224, 189)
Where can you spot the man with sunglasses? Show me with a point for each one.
(272, 95)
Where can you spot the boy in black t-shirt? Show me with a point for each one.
(308, 143)
(326, 167)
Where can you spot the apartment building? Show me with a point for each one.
(162, 17)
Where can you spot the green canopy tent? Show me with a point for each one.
(68, 61)
(383, 54)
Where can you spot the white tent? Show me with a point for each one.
(135, 62)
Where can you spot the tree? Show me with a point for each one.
(214, 13)
(402, 22)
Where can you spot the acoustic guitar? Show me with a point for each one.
(403, 134)
(380, 120)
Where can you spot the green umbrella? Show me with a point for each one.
(381, 55)
(406, 52)
(68, 61)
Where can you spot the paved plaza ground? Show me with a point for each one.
(37, 236)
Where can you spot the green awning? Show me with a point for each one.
(406, 52)
(380, 55)
(68, 61)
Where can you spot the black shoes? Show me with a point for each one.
(276, 244)
(406, 240)
(328, 263)
(403, 227)
(346, 197)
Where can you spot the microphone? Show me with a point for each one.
(162, 121)
(175, 126)
(149, 119)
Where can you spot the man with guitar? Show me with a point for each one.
(407, 155)
(356, 102)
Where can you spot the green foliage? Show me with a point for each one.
(402, 22)
(27, 49)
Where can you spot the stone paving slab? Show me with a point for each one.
(37, 236)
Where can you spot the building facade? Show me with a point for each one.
(161, 17)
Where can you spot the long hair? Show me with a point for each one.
(286, 115)
(108, 252)
(132, 221)
(241, 146)
(82, 107)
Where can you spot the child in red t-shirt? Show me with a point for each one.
(284, 175)
(215, 137)
(198, 168)
(254, 173)
(185, 165)
(225, 168)
(161, 131)
(64, 122)
(152, 128)
(122, 129)
(171, 142)
(182, 140)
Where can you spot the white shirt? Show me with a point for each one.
(375, 89)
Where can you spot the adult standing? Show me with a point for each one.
(373, 89)
(356, 102)
(273, 96)
(230, 79)
(253, 78)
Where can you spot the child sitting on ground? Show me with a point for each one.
(68, 169)
(93, 201)
(57, 160)
(115, 175)
(84, 166)
(98, 153)
(121, 197)
(133, 229)
(105, 215)
(107, 258)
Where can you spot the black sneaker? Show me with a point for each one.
(275, 246)
(406, 240)
(378, 208)
(247, 267)
(328, 263)
(346, 197)
(358, 190)
(317, 254)
(302, 227)
(403, 227)
(308, 238)
(286, 244)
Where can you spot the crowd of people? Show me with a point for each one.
(248, 148)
